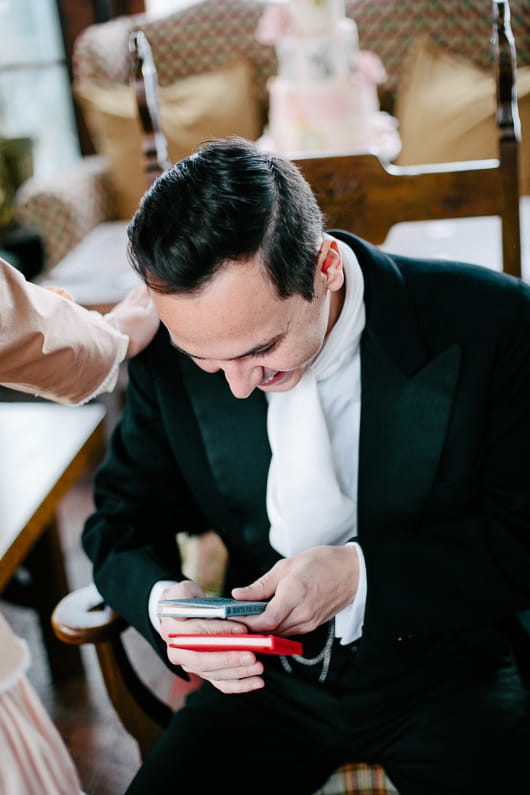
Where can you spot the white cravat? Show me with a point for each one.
(310, 500)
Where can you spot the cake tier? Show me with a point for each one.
(314, 17)
(327, 117)
(322, 58)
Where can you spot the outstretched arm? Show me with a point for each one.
(51, 347)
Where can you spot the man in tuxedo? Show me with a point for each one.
(355, 427)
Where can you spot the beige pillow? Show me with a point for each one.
(445, 107)
(215, 104)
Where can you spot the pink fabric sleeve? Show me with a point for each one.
(50, 346)
(34, 759)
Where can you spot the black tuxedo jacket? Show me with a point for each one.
(444, 468)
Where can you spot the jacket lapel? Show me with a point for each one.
(407, 396)
(237, 448)
(404, 422)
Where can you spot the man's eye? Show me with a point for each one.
(263, 351)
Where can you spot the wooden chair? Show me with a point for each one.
(362, 194)
(144, 79)
(359, 193)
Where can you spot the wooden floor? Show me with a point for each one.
(106, 757)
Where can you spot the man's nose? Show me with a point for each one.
(242, 377)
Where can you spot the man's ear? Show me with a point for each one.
(331, 265)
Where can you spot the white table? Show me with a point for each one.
(44, 449)
(475, 240)
(96, 272)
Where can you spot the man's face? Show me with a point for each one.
(238, 324)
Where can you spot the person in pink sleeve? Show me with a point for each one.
(52, 347)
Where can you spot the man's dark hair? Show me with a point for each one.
(229, 201)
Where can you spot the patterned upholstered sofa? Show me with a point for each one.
(214, 34)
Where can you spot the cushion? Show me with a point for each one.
(214, 104)
(445, 107)
(463, 27)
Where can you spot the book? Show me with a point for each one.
(208, 607)
(261, 644)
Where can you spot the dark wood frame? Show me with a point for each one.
(361, 194)
(74, 16)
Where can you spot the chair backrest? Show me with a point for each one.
(363, 195)
(144, 78)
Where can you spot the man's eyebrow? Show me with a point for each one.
(253, 352)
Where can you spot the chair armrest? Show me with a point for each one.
(83, 617)
(64, 207)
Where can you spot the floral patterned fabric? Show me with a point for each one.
(66, 206)
(463, 27)
(213, 32)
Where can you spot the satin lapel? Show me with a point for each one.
(406, 404)
(237, 448)
(407, 395)
(403, 428)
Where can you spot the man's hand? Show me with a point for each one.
(136, 316)
(305, 591)
(229, 672)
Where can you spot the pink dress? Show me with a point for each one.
(34, 759)
(49, 346)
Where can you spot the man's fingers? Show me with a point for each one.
(240, 686)
(228, 674)
(262, 588)
(199, 626)
(212, 664)
(232, 672)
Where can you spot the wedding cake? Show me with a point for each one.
(324, 96)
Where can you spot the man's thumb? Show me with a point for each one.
(262, 588)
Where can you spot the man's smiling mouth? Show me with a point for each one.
(274, 378)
